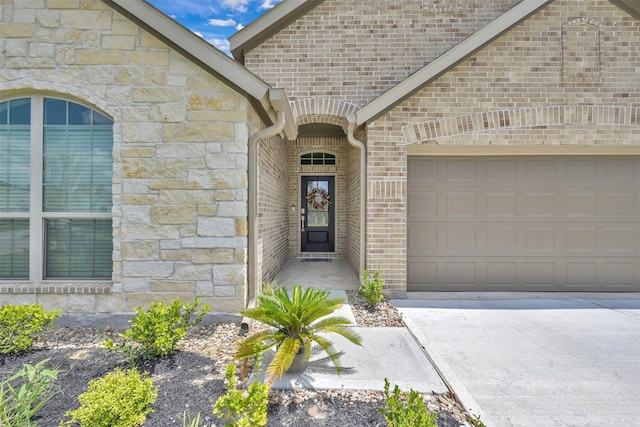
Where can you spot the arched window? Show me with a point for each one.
(55, 190)
(325, 159)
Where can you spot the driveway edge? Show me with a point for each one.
(451, 380)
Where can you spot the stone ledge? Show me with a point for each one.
(56, 288)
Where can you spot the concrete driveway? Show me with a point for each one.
(568, 361)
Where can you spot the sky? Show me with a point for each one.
(215, 20)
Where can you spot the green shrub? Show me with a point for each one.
(24, 393)
(371, 289)
(119, 399)
(242, 408)
(157, 331)
(406, 410)
(20, 325)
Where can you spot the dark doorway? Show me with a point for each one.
(318, 214)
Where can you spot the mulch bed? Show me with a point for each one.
(193, 378)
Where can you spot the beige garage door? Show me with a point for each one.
(524, 223)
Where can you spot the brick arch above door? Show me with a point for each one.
(322, 110)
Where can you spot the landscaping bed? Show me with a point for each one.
(193, 378)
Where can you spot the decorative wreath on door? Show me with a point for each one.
(318, 199)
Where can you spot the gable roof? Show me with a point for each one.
(290, 10)
(199, 51)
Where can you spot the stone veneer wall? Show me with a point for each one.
(180, 155)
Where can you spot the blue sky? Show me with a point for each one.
(215, 20)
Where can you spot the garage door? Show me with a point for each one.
(524, 223)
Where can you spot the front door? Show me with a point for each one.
(317, 214)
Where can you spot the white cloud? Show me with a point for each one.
(269, 4)
(222, 44)
(222, 22)
(237, 5)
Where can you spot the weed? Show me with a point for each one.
(475, 421)
(189, 421)
(24, 393)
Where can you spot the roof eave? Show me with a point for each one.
(448, 60)
(268, 24)
(632, 7)
(198, 50)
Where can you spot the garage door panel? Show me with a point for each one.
(460, 205)
(580, 171)
(580, 240)
(502, 171)
(525, 224)
(620, 273)
(622, 171)
(460, 170)
(501, 274)
(620, 240)
(581, 205)
(500, 205)
(539, 172)
(422, 241)
(620, 205)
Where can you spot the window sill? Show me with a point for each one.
(56, 288)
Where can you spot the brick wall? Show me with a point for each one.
(533, 85)
(180, 153)
(274, 207)
(354, 50)
(516, 91)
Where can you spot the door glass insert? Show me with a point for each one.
(318, 200)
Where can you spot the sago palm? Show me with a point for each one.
(297, 322)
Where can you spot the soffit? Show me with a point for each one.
(269, 24)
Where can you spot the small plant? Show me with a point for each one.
(297, 322)
(406, 409)
(242, 408)
(371, 289)
(475, 421)
(269, 288)
(157, 331)
(19, 403)
(20, 325)
(119, 399)
(189, 421)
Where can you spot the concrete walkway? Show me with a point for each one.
(551, 360)
(390, 353)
